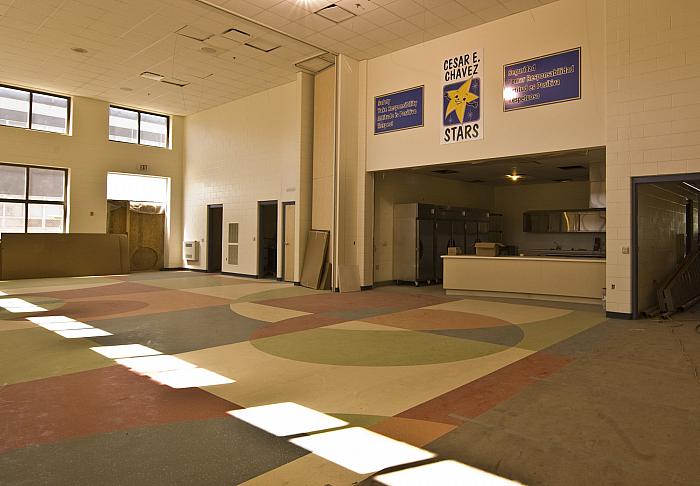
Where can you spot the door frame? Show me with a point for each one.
(261, 204)
(284, 232)
(209, 208)
(636, 182)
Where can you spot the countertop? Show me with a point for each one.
(534, 258)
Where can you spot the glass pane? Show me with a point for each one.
(11, 217)
(154, 130)
(45, 218)
(13, 182)
(123, 125)
(14, 107)
(46, 184)
(128, 187)
(49, 113)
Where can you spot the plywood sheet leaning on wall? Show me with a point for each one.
(315, 258)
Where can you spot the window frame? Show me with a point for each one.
(32, 92)
(27, 200)
(138, 126)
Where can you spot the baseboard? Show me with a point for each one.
(280, 279)
(366, 287)
(242, 275)
(182, 269)
(619, 315)
(297, 284)
(525, 296)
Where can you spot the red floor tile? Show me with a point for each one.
(475, 398)
(95, 402)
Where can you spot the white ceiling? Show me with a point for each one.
(124, 38)
(536, 169)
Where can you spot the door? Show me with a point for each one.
(215, 221)
(289, 254)
(425, 253)
(267, 239)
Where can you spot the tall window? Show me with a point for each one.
(31, 109)
(32, 199)
(132, 126)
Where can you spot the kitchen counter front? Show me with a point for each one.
(571, 279)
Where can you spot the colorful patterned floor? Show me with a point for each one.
(189, 378)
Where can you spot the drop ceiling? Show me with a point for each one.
(568, 166)
(207, 55)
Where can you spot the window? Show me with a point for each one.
(133, 187)
(133, 126)
(32, 199)
(31, 109)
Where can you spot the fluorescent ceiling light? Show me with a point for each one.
(315, 64)
(335, 13)
(360, 450)
(175, 82)
(125, 351)
(282, 419)
(236, 35)
(83, 333)
(190, 378)
(444, 473)
(193, 33)
(262, 45)
(152, 76)
(155, 364)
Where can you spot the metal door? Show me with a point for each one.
(425, 252)
(443, 236)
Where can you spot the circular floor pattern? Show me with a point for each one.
(347, 347)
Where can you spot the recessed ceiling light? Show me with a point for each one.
(335, 13)
(316, 64)
(193, 33)
(208, 50)
(262, 45)
(237, 35)
(125, 88)
(445, 171)
(152, 76)
(79, 50)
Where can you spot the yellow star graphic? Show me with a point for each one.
(459, 99)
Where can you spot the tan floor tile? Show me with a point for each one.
(382, 390)
(266, 313)
(513, 313)
(364, 326)
(235, 292)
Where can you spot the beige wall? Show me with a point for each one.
(557, 26)
(653, 113)
(512, 201)
(661, 238)
(246, 151)
(396, 187)
(89, 155)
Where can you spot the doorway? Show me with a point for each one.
(289, 252)
(267, 239)
(664, 236)
(215, 221)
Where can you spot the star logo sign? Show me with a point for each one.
(460, 99)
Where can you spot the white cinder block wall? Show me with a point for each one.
(653, 113)
(238, 154)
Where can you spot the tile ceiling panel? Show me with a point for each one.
(126, 37)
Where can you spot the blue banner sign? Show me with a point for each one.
(543, 80)
(398, 111)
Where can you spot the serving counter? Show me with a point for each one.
(550, 278)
